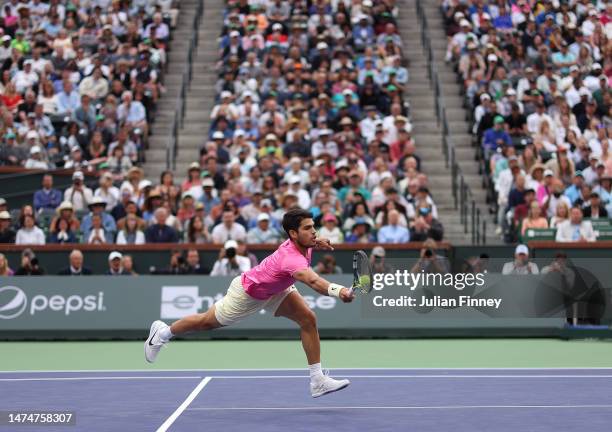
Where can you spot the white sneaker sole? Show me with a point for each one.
(154, 328)
(343, 386)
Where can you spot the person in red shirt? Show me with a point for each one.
(11, 99)
(404, 146)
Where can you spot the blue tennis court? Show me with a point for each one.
(278, 400)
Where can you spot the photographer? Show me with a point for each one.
(429, 261)
(78, 194)
(377, 260)
(229, 263)
(559, 265)
(177, 265)
(29, 265)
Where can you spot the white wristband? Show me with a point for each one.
(333, 290)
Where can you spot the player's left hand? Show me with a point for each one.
(323, 243)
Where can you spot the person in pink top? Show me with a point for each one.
(270, 286)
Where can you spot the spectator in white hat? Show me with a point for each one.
(97, 206)
(35, 161)
(521, 264)
(78, 194)
(115, 265)
(325, 145)
(7, 235)
(5, 48)
(77, 160)
(225, 107)
(26, 78)
(229, 262)
(377, 260)
(263, 233)
(458, 41)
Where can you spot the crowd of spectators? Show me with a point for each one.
(536, 75)
(310, 111)
(79, 81)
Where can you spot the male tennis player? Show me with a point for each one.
(269, 286)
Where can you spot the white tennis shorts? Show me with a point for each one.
(237, 304)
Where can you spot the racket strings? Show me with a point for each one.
(363, 269)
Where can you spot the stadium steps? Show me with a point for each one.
(200, 95)
(426, 131)
(451, 90)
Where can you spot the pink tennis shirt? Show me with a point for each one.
(275, 273)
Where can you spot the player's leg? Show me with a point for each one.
(161, 333)
(295, 308)
(196, 322)
(233, 307)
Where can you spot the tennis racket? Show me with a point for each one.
(362, 273)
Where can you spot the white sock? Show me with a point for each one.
(165, 334)
(315, 371)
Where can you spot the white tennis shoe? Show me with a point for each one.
(326, 385)
(154, 343)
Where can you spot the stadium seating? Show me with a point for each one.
(536, 80)
(311, 109)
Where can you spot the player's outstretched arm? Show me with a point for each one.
(322, 286)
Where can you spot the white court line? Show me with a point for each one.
(164, 427)
(100, 378)
(305, 368)
(127, 378)
(409, 376)
(446, 407)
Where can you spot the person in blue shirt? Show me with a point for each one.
(53, 25)
(547, 11)
(361, 232)
(503, 22)
(47, 197)
(393, 232)
(97, 207)
(573, 192)
(85, 114)
(493, 135)
(363, 33)
(68, 100)
(396, 68)
(564, 58)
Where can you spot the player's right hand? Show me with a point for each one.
(346, 295)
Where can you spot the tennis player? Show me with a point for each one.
(270, 286)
